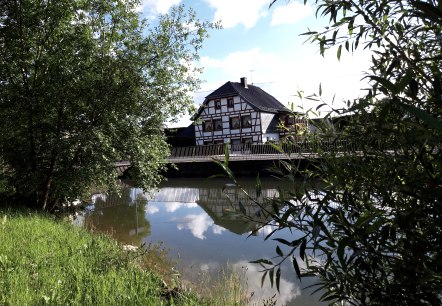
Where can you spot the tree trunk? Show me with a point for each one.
(47, 186)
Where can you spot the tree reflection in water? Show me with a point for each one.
(121, 216)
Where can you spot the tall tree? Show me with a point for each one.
(370, 213)
(86, 83)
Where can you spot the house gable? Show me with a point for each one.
(237, 112)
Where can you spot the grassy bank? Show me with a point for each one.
(43, 261)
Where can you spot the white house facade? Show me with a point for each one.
(239, 113)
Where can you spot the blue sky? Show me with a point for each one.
(265, 46)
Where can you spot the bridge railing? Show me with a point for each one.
(248, 151)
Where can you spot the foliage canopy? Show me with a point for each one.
(371, 219)
(87, 83)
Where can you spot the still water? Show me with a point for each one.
(194, 221)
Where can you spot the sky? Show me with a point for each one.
(266, 46)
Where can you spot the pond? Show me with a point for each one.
(194, 220)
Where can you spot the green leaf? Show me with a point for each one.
(279, 251)
(226, 155)
(316, 231)
(302, 249)
(226, 169)
(242, 208)
(328, 296)
(385, 83)
(341, 252)
(277, 147)
(321, 105)
(338, 54)
(262, 261)
(275, 207)
(258, 186)
(296, 267)
(433, 122)
(310, 33)
(283, 241)
(278, 277)
(375, 226)
(263, 278)
(405, 80)
(428, 10)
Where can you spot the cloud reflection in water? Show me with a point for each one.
(288, 290)
(198, 224)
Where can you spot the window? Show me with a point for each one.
(218, 124)
(207, 142)
(246, 121)
(229, 102)
(289, 120)
(217, 104)
(207, 126)
(234, 123)
(218, 141)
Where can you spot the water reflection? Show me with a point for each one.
(121, 216)
(199, 221)
(288, 290)
(198, 225)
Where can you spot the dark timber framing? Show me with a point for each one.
(239, 113)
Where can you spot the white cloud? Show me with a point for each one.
(158, 6)
(282, 74)
(234, 12)
(291, 13)
(240, 63)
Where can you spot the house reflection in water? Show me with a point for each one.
(123, 215)
(224, 207)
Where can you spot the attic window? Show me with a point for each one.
(229, 102)
(217, 104)
(289, 120)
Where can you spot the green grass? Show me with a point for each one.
(43, 261)
(229, 288)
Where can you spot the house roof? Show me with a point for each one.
(255, 96)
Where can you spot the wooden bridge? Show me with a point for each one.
(248, 152)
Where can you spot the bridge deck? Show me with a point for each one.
(245, 152)
(239, 157)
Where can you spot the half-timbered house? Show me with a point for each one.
(241, 113)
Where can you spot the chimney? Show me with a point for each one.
(244, 82)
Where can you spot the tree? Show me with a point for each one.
(86, 83)
(371, 217)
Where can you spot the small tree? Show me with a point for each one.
(371, 215)
(86, 83)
